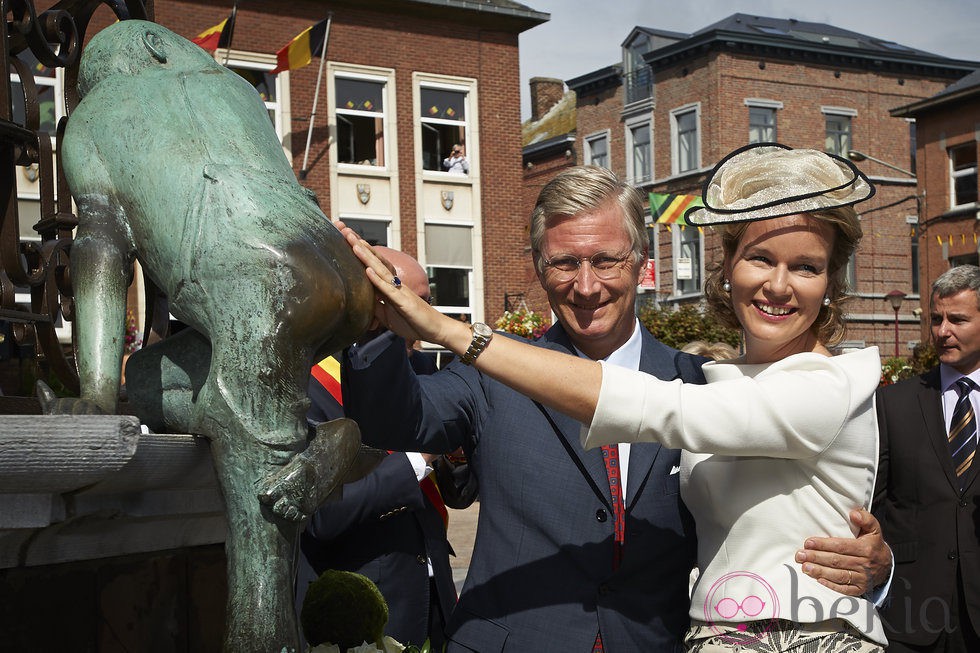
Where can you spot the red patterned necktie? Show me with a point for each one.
(610, 456)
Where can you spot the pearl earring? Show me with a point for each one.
(826, 301)
(726, 285)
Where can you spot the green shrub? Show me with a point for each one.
(677, 327)
(345, 609)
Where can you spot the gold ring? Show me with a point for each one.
(848, 576)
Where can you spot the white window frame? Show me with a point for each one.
(675, 137)
(957, 174)
(387, 110)
(774, 106)
(839, 112)
(631, 172)
(678, 232)
(452, 309)
(595, 138)
(472, 155)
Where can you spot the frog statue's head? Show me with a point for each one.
(137, 47)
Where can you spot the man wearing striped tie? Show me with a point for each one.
(927, 496)
(390, 525)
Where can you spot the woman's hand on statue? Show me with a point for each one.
(400, 309)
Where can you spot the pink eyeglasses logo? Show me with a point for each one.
(758, 603)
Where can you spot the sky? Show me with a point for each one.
(585, 35)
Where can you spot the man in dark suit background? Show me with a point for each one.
(561, 562)
(391, 525)
(927, 496)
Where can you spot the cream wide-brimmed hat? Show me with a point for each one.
(770, 180)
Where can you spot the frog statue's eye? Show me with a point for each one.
(154, 44)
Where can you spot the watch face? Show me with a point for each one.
(482, 330)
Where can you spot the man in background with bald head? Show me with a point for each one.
(391, 525)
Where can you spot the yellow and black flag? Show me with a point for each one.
(220, 35)
(300, 51)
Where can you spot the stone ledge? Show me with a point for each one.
(85, 487)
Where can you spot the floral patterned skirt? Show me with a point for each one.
(779, 636)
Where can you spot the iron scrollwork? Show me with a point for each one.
(41, 265)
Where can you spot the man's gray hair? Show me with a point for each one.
(955, 280)
(586, 188)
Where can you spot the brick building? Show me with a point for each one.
(131, 536)
(402, 82)
(677, 103)
(947, 125)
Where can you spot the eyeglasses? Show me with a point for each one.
(605, 266)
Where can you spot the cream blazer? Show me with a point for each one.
(773, 454)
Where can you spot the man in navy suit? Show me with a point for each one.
(927, 495)
(390, 525)
(550, 570)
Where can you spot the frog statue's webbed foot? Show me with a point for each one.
(296, 490)
(51, 404)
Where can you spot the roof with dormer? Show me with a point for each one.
(816, 43)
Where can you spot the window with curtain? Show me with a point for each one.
(449, 261)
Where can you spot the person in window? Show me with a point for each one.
(781, 442)
(456, 161)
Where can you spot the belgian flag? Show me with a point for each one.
(220, 35)
(300, 51)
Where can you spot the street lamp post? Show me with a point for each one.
(854, 155)
(895, 298)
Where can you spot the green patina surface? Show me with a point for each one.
(173, 161)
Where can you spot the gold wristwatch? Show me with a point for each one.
(481, 338)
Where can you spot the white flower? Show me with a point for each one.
(324, 648)
(390, 646)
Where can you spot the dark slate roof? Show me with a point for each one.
(498, 14)
(657, 33)
(505, 7)
(816, 43)
(968, 87)
(813, 42)
(806, 32)
(970, 82)
(597, 79)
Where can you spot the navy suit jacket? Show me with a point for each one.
(541, 576)
(931, 525)
(383, 527)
